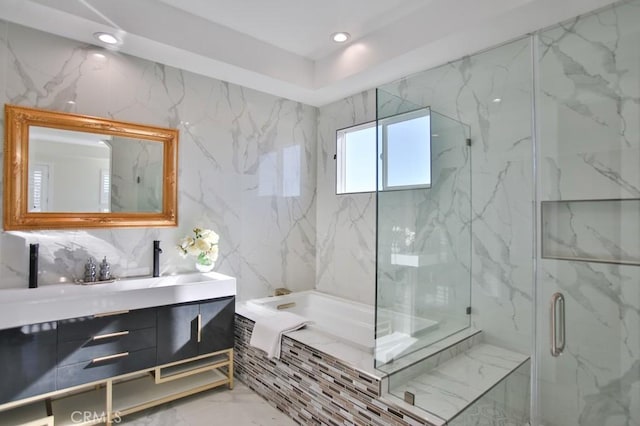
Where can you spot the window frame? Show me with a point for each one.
(381, 126)
(399, 118)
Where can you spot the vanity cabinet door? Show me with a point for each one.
(217, 318)
(192, 329)
(27, 361)
(176, 332)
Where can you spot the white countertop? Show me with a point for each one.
(20, 307)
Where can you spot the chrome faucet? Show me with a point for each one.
(156, 258)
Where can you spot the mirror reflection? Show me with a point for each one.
(70, 171)
(74, 171)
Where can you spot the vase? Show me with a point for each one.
(201, 267)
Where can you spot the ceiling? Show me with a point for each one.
(283, 47)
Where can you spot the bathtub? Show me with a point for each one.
(350, 322)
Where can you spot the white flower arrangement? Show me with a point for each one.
(204, 245)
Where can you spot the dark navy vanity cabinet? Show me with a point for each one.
(44, 358)
(192, 329)
(27, 361)
(97, 347)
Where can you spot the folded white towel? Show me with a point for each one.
(268, 330)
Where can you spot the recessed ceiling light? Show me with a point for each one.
(340, 37)
(106, 38)
(497, 100)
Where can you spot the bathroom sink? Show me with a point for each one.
(179, 279)
(60, 301)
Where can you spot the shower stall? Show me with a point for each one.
(508, 229)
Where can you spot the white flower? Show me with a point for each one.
(193, 250)
(210, 236)
(186, 242)
(203, 244)
(213, 253)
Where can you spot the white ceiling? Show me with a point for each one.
(283, 47)
(302, 27)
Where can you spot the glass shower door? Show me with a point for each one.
(588, 274)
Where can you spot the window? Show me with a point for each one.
(105, 190)
(404, 144)
(39, 188)
(356, 159)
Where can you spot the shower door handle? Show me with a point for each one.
(558, 329)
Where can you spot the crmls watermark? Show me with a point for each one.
(92, 416)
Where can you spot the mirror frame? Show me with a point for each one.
(18, 119)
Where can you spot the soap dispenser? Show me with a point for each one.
(105, 270)
(90, 274)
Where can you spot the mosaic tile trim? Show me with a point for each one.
(314, 388)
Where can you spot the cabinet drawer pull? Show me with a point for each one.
(110, 314)
(110, 335)
(109, 357)
(199, 327)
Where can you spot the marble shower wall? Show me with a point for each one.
(247, 164)
(346, 224)
(590, 149)
(491, 93)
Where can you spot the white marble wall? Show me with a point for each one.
(247, 164)
(590, 149)
(346, 224)
(502, 186)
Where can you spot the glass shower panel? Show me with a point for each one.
(424, 238)
(589, 186)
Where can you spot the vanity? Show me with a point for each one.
(84, 355)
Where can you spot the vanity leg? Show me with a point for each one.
(109, 403)
(230, 368)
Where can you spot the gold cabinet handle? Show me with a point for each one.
(110, 314)
(109, 357)
(110, 335)
(199, 327)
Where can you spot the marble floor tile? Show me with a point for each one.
(238, 407)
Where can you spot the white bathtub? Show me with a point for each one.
(350, 322)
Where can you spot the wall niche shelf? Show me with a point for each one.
(598, 230)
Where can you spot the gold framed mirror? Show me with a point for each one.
(64, 170)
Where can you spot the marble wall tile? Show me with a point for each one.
(590, 134)
(346, 224)
(247, 165)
